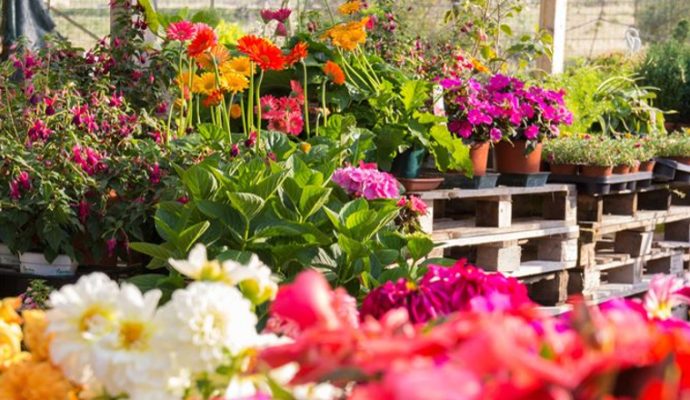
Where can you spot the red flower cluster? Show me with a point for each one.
(205, 38)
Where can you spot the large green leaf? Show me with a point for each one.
(248, 204)
(414, 94)
(190, 235)
(200, 182)
(152, 250)
(449, 152)
(151, 15)
(312, 199)
(419, 245)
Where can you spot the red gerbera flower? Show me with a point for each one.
(262, 52)
(213, 99)
(204, 39)
(298, 53)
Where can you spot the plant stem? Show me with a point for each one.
(258, 103)
(330, 12)
(323, 103)
(306, 100)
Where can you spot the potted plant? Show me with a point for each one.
(625, 155)
(646, 150)
(596, 154)
(81, 170)
(675, 146)
(523, 116)
(563, 155)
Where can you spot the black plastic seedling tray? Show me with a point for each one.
(605, 184)
(668, 170)
(488, 181)
(524, 180)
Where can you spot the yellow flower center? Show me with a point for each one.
(95, 318)
(133, 334)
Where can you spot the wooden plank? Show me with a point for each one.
(557, 249)
(540, 267)
(560, 206)
(633, 242)
(616, 290)
(502, 257)
(550, 291)
(448, 194)
(643, 220)
(464, 233)
(677, 231)
(590, 208)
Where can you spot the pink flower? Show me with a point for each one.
(284, 114)
(309, 301)
(532, 132)
(39, 131)
(111, 244)
(281, 30)
(88, 159)
(495, 134)
(281, 15)
(181, 31)
(665, 293)
(367, 182)
(15, 192)
(155, 174)
(83, 211)
(417, 205)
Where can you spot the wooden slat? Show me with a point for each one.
(451, 233)
(494, 192)
(538, 267)
(643, 219)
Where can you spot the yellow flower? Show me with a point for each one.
(306, 147)
(348, 35)
(241, 65)
(36, 338)
(213, 58)
(8, 310)
(479, 66)
(33, 380)
(351, 7)
(229, 33)
(206, 83)
(235, 111)
(10, 344)
(235, 82)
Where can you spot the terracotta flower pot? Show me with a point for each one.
(564, 169)
(596, 171)
(635, 168)
(682, 160)
(511, 158)
(647, 166)
(621, 169)
(479, 153)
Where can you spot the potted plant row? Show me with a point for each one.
(599, 156)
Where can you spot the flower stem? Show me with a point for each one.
(323, 104)
(306, 100)
(258, 103)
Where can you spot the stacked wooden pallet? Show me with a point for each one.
(626, 237)
(530, 233)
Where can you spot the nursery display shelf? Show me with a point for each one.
(643, 219)
(458, 233)
(609, 291)
(445, 194)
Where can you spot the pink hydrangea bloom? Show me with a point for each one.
(367, 181)
(181, 31)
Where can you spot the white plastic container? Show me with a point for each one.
(7, 258)
(36, 264)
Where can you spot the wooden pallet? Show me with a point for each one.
(528, 233)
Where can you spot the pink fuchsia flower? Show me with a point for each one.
(309, 301)
(181, 31)
(281, 15)
(83, 211)
(111, 245)
(665, 293)
(39, 131)
(155, 174)
(22, 182)
(88, 159)
(15, 192)
(367, 181)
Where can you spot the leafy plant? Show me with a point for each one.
(289, 214)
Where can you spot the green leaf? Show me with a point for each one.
(190, 235)
(212, 133)
(247, 204)
(152, 250)
(199, 182)
(239, 256)
(419, 245)
(312, 199)
(146, 282)
(414, 94)
(449, 152)
(151, 15)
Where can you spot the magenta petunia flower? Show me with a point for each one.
(181, 31)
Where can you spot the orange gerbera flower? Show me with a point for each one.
(348, 35)
(216, 56)
(298, 53)
(350, 7)
(334, 72)
(204, 39)
(262, 52)
(235, 111)
(212, 99)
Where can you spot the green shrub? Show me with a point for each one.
(666, 67)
